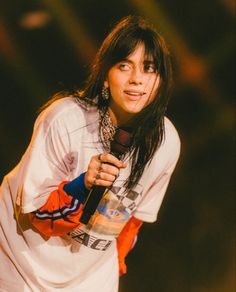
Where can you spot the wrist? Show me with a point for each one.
(77, 188)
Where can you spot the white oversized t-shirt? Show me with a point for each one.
(65, 138)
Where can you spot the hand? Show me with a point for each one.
(103, 169)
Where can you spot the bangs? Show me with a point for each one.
(126, 44)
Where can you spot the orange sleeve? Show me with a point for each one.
(125, 241)
(59, 215)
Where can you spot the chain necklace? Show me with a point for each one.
(107, 129)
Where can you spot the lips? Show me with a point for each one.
(134, 94)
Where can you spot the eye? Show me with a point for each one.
(150, 68)
(124, 66)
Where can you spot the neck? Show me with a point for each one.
(119, 120)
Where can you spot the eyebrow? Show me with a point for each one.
(125, 60)
(146, 62)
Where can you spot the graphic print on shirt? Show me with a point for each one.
(114, 209)
(113, 212)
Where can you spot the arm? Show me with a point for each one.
(61, 213)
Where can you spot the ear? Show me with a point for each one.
(105, 83)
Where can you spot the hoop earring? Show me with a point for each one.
(105, 93)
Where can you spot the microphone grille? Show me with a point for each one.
(122, 141)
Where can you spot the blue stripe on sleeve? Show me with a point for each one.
(76, 188)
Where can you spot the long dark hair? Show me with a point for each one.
(148, 125)
(148, 131)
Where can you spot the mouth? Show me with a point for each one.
(133, 94)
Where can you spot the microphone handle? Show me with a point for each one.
(92, 202)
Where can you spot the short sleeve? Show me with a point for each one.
(150, 205)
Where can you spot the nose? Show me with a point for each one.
(135, 77)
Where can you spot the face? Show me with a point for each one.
(133, 84)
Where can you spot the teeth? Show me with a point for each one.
(135, 93)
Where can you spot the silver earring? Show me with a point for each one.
(105, 93)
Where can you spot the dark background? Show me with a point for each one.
(47, 46)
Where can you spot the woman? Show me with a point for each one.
(44, 246)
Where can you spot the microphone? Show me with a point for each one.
(119, 146)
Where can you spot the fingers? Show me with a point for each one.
(104, 179)
(100, 178)
(109, 169)
(111, 159)
(103, 170)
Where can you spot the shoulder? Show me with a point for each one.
(171, 134)
(66, 112)
(171, 143)
(169, 151)
(63, 107)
